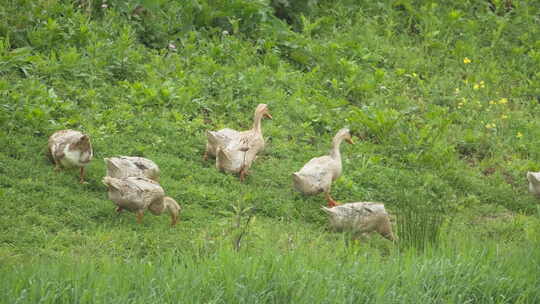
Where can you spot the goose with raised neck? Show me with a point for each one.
(317, 175)
(234, 150)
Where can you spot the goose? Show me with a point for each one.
(234, 150)
(534, 183)
(317, 175)
(360, 217)
(127, 166)
(136, 194)
(70, 148)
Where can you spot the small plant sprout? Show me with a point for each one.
(241, 219)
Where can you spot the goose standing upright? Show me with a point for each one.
(318, 174)
(235, 151)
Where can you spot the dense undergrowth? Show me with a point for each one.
(442, 99)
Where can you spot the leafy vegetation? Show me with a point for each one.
(442, 99)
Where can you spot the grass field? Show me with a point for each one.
(443, 100)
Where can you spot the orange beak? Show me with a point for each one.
(349, 140)
(267, 115)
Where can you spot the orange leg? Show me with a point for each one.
(205, 156)
(174, 220)
(57, 167)
(139, 216)
(82, 176)
(243, 174)
(330, 200)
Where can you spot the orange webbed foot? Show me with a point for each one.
(333, 203)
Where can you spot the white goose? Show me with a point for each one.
(318, 174)
(235, 151)
(361, 217)
(534, 183)
(127, 166)
(136, 194)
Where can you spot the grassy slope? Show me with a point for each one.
(434, 135)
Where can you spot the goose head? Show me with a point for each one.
(344, 134)
(173, 207)
(82, 143)
(263, 111)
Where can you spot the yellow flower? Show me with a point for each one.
(491, 102)
(503, 100)
(479, 85)
(466, 60)
(504, 116)
(490, 126)
(519, 135)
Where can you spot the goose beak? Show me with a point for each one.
(267, 115)
(349, 140)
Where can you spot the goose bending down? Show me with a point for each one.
(235, 151)
(361, 217)
(127, 166)
(318, 174)
(70, 148)
(534, 183)
(137, 194)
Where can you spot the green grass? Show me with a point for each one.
(315, 272)
(443, 101)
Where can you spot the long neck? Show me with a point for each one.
(257, 122)
(172, 210)
(336, 142)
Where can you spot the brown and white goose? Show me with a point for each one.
(70, 148)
